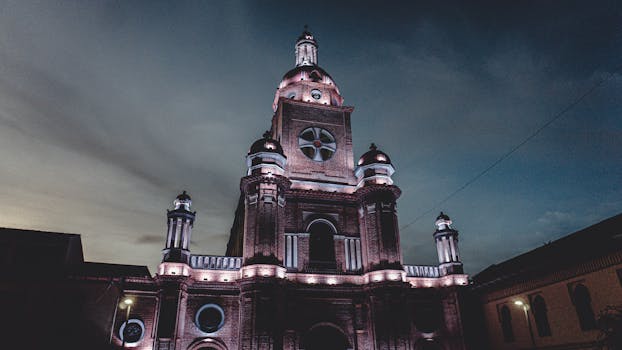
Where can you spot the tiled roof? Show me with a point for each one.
(589, 243)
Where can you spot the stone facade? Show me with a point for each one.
(313, 260)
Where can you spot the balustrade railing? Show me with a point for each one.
(212, 262)
(421, 271)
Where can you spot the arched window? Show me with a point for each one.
(506, 324)
(583, 304)
(321, 245)
(542, 319)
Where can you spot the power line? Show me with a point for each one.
(574, 103)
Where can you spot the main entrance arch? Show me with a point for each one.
(325, 337)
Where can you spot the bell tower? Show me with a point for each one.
(312, 124)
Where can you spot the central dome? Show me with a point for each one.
(308, 82)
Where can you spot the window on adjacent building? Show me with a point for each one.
(506, 324)
(540, 314)
(583, 305)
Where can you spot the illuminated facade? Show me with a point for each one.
(314, 258)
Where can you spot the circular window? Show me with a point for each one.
(317, 144)
(316, 94)
(210, 318)
(132, 331)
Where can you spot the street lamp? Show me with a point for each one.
(127, 302)
(525, 308)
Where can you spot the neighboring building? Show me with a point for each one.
(314, 258)
(51, 298)
(562, 288)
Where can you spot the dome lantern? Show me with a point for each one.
(306, 49)
(182, 200)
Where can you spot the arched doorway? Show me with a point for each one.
(321, 245)
(325, 337)
(427, 344)
(207, 344)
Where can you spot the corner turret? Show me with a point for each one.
(447, 246)
(180, 221)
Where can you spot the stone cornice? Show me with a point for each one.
(321, 195)
(283, 100)
(280, 180)
(370, 190)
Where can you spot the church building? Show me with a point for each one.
(314, 258)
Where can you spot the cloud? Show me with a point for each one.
(149, 239)
(108, 110)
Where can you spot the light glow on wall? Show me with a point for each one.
(275, 271)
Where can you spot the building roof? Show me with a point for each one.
(587, 244)
(19, 247)
(92, 269)
(56, 254)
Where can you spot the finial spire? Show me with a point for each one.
(267, 134)
(373, 147)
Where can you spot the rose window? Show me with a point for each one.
(210, 318)
(317, 144)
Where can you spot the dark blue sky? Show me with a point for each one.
(108, 109)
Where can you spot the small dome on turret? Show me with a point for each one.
(374, 156)
(266, 144)
(443, 222)
(306, 35)
(183, 200)
(443, 216)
